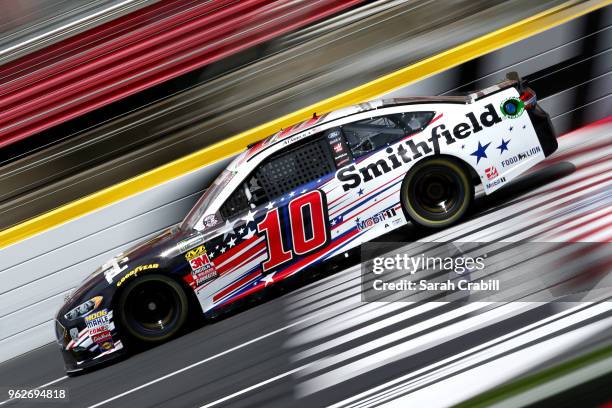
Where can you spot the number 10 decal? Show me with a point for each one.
(308, 225)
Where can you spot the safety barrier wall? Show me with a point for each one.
(36, 273)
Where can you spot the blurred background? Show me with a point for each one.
(116, 114)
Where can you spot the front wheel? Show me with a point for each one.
(437, 193)
(152, 308)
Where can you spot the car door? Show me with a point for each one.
(273, 224)
(295, 223)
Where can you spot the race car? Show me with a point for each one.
(302, 197)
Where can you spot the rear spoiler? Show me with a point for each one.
(512, 79)
(515, 77)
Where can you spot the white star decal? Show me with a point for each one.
(250, 217)
(231, 242)
(268, 279)
(249, 234)
(270, 205)
(291, 194)
(241, 231)
(228, 229)
(212, 254)
(333, 222)
(222, 250)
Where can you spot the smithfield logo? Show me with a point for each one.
(521, 156)
(398, 154)
(375, 219)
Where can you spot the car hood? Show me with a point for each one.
(154, 245)
(149, 249)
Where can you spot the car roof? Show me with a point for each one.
(355, 109)
(317, 120)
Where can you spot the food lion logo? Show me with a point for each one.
(491, 173)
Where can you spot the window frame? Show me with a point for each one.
(386, 115)
(318, 137)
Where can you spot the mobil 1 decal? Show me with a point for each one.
(308, 230)
(402, 153)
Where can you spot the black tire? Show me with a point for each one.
(152, 308)
(437, 193)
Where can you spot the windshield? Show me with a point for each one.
(198, 210)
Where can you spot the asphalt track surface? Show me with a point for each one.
(318, 344)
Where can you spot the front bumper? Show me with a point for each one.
(79, 347)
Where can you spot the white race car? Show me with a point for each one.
(302, 196)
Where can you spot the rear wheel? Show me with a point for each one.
(152, 308)
(437, 193)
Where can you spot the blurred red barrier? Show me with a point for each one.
(136, 52)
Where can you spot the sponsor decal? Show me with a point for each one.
(512, 108)
(296, 138)
(403, 153)
(521, 156)
(104, 339)
(98, 327)
(375, 219)
(189, 243)
(491, 173)
(496, 182)
(339, 148)
(97, 318)
(210, 220)
(202, 268)
(134, 272)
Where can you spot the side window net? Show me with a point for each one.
(284, 173)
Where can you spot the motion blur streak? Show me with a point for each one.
(190, 119)
(124, 65)
(28, 25)
(366, 354)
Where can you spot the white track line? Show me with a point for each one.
(207, 359)
(39, 387)
(521, 336)
(252, 387)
